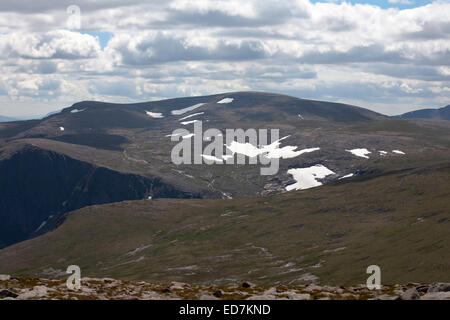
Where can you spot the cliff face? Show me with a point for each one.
(37, 187)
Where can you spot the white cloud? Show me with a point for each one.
(60, 44)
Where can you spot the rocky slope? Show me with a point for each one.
(15, 288)
(39, 186)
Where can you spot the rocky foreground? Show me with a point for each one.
(15, 288)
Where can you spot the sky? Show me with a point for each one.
(390, 56)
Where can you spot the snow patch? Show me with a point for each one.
(307, 177)
(183, 111)
(173, 135)
(226, 157)
(154, 114)
(398, 152)
(188, 136)
(77, 110)
(363, 152)
(212, 158)
(188, 122)
(226, 100)
(61, 128)
(271, 151)
(347, 176)
(383, 153)
(192, 115)
(288, 152)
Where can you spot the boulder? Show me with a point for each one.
(4, 277)
(7, 294)
(411, 294)
(439, 287)
(218, 294)
(436, 296)
(422, 289)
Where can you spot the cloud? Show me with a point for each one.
(154, 48)
(60, 44)
(234, 13)
(371, 53)
(142, 50)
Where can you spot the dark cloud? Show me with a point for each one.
(373, 53)
(163, 48)
(407, 71)
(45, 67)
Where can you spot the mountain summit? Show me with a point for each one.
(441, 114)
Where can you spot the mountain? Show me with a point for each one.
(441, 114)
(397, 219)
(95, 153)
(6, 119)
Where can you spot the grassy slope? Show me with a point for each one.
(276, 239)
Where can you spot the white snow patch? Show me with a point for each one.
(300, 116)
(272, 151)
(306, 177)
(383, 153)
(363, 152)
(246, 149)
(212, 158)
(288, 152)
(77, 110)
(398, 152)
(188, 122)
(61, 128)
(173, 135)
(192, 115)
(183, 111)
(188, 136)
(154, 114)
(347, 176)
(226, 100)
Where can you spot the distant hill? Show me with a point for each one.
(442, 114)
(6, 119)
